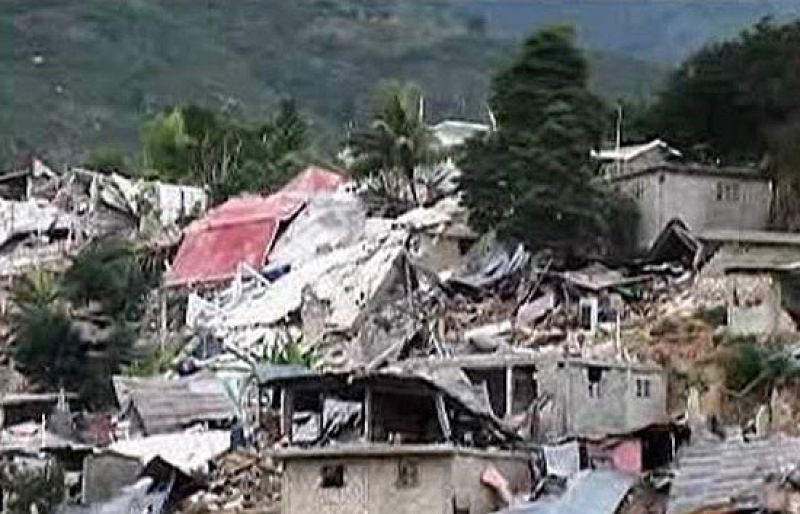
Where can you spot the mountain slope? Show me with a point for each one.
(665, 32)
(78, 76)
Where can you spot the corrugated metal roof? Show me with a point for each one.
(589, 492)
(728, 474)
(269, 372)
(188, 451)
(626, 153)
(171, 405)
(242, 230)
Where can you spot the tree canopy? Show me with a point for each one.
(397, 140)
(736, 102)
(75, 330)
(531, 178)
(195, 145)
(731, 96)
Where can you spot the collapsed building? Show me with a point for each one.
(430, 369)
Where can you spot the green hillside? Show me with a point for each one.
(79, 76)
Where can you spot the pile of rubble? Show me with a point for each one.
(241, 481)
(46, 216)
(422, 345)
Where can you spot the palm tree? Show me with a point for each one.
(37, 289)
(397, 140)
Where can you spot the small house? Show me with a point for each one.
(592, 398)
(703, 197)
(157, 406)
(616, 162)
(392, 441)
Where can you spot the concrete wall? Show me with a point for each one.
(438, 253)
(104, 474)
(754, 304)
(615, 403)
(371, 484)
(693, 198)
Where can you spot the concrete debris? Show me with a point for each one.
(45, 217)
(241, 479)
(190, 451)
(321, 345)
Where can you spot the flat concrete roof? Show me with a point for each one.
(23, 398)
(697, 170)
(487, 360)
(541, 361)
(394, 450)
(761, 237)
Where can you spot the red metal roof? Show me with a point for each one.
(243, 230)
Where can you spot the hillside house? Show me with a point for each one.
(391, 442)
(665, 188)
(595, 398)
(703, 197)
(573, 396)
(616, 162)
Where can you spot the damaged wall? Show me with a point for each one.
(602, 398)
(399, 480)
(104, 474)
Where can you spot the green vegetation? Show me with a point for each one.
(531, 178)
(736, 102)
(77, 329)
(42, 488)
(752, 367)
(74, 93)
(292, 353)
(396, 142)
(196, 145)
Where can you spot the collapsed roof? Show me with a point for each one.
(243, 230)
(163, 405)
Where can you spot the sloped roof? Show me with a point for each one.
(455, 132)
(589, 492)
(170, 405)
(728, 474)
(243, 230)
(628, 152)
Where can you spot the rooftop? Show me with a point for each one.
(168, 405)
(454, 132)
(695, 169)
(757, 237)
(387, 450)
(727, 474)
(628, 152)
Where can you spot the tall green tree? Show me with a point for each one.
(196, 145)
(48, 349)
(76, 330)
(736, 102)
(531, 178)
(397, 140)
(110, 274)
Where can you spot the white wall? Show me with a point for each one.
(663, 195)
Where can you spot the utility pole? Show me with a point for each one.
(619, 138)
